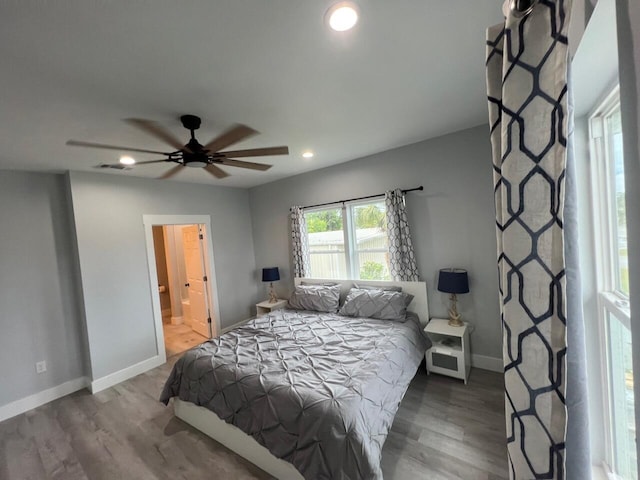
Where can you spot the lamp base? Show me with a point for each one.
(455, 319)
(273, 298)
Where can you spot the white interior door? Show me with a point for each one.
(196, 274)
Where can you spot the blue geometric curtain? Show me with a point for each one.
(527, 60)
(402, 258)
(299, 243)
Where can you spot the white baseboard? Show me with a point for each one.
(37, 399)
(126, 373)
(487, 363)
(177, 320)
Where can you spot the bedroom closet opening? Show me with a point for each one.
(182, 271)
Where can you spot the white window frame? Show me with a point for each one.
(348, 228)
(610, 299)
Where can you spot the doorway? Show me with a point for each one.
(181, 273)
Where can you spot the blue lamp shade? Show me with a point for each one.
(453, 280)
(270, 274)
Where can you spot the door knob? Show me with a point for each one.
(186, 285)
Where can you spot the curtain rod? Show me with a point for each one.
(361, 198)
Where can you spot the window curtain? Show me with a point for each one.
(578, 444)
(402, 258)
(299, 243)
(527, 72)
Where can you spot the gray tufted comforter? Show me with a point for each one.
(318, 390)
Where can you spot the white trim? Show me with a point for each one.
(234, 439)
(177, 320)
(603, 472)
(483, 362)
(619, 306)
(126, 373)
(37, 399)
(148, 222)
(609, 299)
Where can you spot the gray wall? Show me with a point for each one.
(108, 212)
(39, 314)
(453, 221)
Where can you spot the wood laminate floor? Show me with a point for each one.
(443, 430)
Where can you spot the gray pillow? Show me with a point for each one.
(380, 304)
(319, 298)
(389, 288)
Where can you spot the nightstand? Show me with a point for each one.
(265, 307)
(449, 354)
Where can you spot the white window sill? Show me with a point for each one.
(598, 472)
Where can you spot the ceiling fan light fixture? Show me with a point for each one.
(127, 160)
(342, 16)
(196, 164)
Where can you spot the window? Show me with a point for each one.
(349, 242)
(613, 285)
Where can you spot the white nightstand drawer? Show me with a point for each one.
(446, 361)
(449, 352)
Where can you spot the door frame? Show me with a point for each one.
(150, 221)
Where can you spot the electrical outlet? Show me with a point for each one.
(41, 367)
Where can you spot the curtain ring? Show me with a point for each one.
(522, 8)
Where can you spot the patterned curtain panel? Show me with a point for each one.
(527, 91)
(299, 243)
(401, 254)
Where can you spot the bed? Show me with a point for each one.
(304, 394)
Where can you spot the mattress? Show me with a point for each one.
(318, 390)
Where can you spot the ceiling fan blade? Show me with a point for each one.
(257, 152)
(216, 171)
(76, 143)
(144, 162)
(170, 173)
(239, 163)
(233, 135)
(156, 130)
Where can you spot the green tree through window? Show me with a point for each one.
(370, 216)
(324, 221)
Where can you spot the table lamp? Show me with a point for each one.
(453, 281)
(271, 275)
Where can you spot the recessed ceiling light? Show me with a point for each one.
(342, 16)
(127, 160)
(307, 154)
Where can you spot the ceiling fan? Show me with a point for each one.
(193, 154)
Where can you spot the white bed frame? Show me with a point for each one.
(244, 445)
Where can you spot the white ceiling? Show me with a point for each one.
(410, 70)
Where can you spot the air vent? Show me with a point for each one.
(116, 166)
